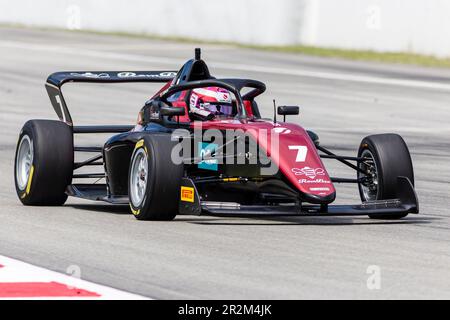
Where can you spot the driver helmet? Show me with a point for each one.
(211, 101)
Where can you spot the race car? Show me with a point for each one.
(201, 147)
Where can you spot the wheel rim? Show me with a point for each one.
(370, 182)
(138, 178)
(24, 161)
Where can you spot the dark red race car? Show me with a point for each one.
(201, 147)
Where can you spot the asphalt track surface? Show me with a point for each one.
(208, 257)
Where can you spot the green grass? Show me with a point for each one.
(388, 57)
(363, 55)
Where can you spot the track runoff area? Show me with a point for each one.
(20, 280)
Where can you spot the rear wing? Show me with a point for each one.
(56, 80)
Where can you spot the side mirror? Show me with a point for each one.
(171, 111)
(288, 111)
(151, 111)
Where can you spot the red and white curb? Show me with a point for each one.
(20, 280)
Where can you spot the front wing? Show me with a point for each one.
(406, 202)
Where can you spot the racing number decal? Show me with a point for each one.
(301, 152)
(187, 194)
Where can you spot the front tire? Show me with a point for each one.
(387, 158)
(43, 162)
(154, 180)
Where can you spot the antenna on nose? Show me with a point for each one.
(198, 53)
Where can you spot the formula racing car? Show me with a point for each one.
(201, 147)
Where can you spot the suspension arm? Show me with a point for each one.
(340, 159)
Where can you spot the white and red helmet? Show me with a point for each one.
(211, 101)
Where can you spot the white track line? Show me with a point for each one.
(232, 66)
(14, 271)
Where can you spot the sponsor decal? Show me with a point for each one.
(168, 74)
(206, 151)
(193, 100)
(218, 95)
(151, 110)
(129, 74)
(91, 75)
(307, 181)
(126, 74)
(187, 194)
(319, 189)
(311, 173)
(154, 114)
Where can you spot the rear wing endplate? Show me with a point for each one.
(56, 80)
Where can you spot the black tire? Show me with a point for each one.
(392, 159)
(163, 179)
(50, 163)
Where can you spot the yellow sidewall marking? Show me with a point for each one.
(30, 179)
(135, 212)
(139, 144)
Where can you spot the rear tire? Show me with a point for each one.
(391, 158)
(154, 180)
(43, 162)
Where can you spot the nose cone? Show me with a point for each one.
(301, 164)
